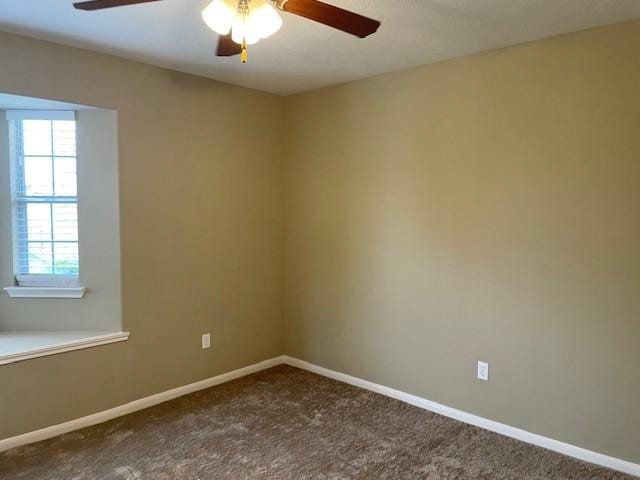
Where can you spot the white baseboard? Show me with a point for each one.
(517, 433)
(134, 406)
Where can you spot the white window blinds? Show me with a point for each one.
(44, 197)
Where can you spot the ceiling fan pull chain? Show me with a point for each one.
(244, 56)
(243, 8)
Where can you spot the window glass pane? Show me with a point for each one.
(66, 258)
(65, 222)
(47, 232)
(39, 221)
(36, 137)
(38, 176)
(40, 257)
(64, 138)
(23, 263)
(65, 177)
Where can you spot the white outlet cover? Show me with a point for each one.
(483, 371)
(206, 341)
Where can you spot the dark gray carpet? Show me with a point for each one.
(285, 423)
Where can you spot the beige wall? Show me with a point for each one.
(484, 208)
(99, 237)
(201, 222)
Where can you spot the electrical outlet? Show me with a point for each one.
(483, 371)
(206, 341)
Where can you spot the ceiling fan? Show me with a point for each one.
(244, 22)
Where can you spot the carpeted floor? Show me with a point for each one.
(285, 423)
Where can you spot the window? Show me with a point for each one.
(44, 198)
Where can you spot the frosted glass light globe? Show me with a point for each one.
(220, 15)
(263, 18)
(240, 31)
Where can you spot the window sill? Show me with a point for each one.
(46, 292)
(20, 346)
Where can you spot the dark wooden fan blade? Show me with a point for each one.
(101, 4)
(332, 16)
(227, 47)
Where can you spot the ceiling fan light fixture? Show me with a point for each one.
(248, 20)
(220, 15)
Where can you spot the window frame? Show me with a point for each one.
(20, 200)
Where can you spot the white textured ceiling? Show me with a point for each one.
(305, 55)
